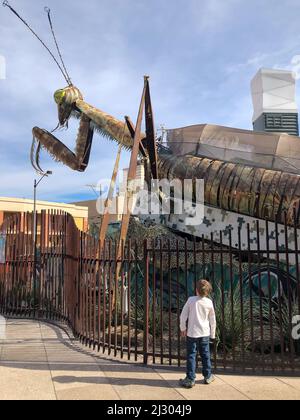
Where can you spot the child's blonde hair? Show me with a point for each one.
(204, 288)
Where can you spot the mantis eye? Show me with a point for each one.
(59, 96)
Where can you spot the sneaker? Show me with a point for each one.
(187, 383)
(209, 380)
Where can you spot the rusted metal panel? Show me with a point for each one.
(108, 201)
(131, 128)
(132, 170)
(150, 132)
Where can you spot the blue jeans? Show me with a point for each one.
(201, 345)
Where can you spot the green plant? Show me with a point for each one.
(156, 322)
(289, 309)
(239, 319)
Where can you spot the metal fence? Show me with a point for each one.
(128, 303)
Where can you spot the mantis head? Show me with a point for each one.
(66, 101)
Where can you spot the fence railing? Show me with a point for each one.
(128, 304)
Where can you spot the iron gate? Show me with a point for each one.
(129, 305)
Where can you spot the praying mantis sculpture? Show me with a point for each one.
(71, 104)
(257, 192)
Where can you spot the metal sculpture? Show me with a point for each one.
(239, 188)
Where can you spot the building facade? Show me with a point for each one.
(11, 206)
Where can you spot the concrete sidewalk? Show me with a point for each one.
(39, 362)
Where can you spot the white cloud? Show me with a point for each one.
(280, 58)
(212, 14)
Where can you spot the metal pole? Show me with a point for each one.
(36, 183)
(34, 247)
(146, 304)
(34, 212)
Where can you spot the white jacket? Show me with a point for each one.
(201, 317)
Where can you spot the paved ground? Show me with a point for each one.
(39, 362)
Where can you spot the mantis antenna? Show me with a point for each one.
(66, 77)
(48, 11)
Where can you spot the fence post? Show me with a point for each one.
(146, 303)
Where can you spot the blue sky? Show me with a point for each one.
(200, 55)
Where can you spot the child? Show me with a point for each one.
(200, 314)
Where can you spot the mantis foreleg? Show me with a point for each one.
(77, 160)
